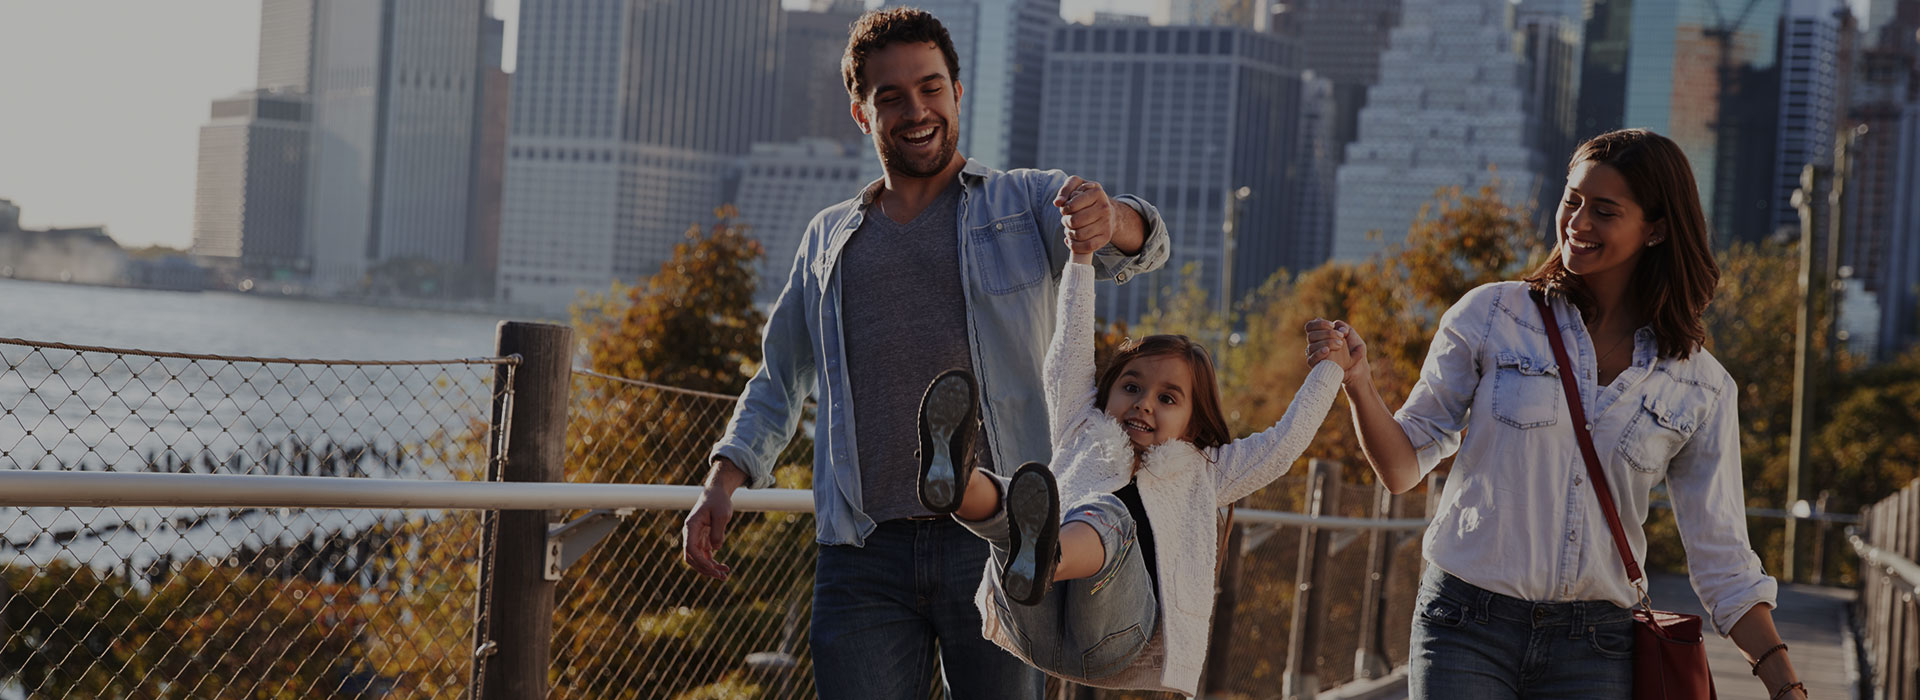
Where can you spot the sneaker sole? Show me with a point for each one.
(947, 406)
(1033, 521)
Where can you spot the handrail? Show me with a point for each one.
(1896, 565)
(53, 489)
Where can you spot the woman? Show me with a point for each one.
(1527, 596)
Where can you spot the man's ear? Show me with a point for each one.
(860, 116)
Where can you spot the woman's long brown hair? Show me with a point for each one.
(1208, 426)
(1674, 280)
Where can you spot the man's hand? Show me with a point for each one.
(1337, 341)
(1087, 213)
(706, 527)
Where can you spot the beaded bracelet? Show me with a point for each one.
(1788, 689)
(1777, 648)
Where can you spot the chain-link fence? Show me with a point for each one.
(633, 622)
(275, 602)
(238, 602)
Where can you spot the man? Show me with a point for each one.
(943, 263)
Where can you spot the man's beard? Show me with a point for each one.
(899, 163)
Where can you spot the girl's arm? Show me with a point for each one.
(1068, 370)
(1249, 463)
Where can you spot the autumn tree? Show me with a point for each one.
(632, 621)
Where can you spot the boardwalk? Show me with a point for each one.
(1811, 619)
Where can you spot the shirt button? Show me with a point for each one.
(1120, 278)
(1569, 536)
(1589, 427)
(1577, 481)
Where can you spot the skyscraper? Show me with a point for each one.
(813, 98)
(783, 186)
(1342, 40)
(1185, 117)
(1900, 274)
(1812, 62)
(1003, 56)
(286, 46)
(1603, 69)
(629, 118)
(1882, 98)
(396, 100)
(1252, 14)
(1705, 74)
(1314, 171)
(1452, 102)
(250, 189)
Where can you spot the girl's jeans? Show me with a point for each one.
(1469, 642)
(1086, 628)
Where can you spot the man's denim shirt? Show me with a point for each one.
(1012, 252)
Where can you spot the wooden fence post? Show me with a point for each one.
(513, 646)
(1370, 655)
(1301, 679)
(1213, 678)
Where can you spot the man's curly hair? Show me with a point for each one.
(878, 29)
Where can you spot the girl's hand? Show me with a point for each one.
(1086, 215)
(1337, 341)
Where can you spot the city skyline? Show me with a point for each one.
(75, 153)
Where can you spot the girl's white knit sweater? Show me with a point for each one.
(1182, 488)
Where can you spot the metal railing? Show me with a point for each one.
(1889, 615)
(738, 658)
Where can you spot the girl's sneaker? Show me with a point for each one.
(948, 416)
(1033, 529)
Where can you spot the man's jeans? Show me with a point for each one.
(1469, 642)
(1086, 628)
(878, 611)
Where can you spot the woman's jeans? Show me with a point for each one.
(1469, 642)
(1086, 628)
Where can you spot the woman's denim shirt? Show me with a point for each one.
(1518, 516)
(1011, 256)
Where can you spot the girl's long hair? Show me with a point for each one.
(1674, 280)
(1208, 426)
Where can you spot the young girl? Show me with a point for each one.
(1144, 462)
(1528, 596)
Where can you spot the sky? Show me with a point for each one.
(101, 104)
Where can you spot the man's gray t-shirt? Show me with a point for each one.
(904, 320)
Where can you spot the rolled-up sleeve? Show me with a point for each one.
(1704, 480)
(1436, 411)
(1109, 263)
(1112, 264)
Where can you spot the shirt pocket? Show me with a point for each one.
(1526, 391)
(1007, 254)
(1660, 426)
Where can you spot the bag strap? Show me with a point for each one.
(1585, 436)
